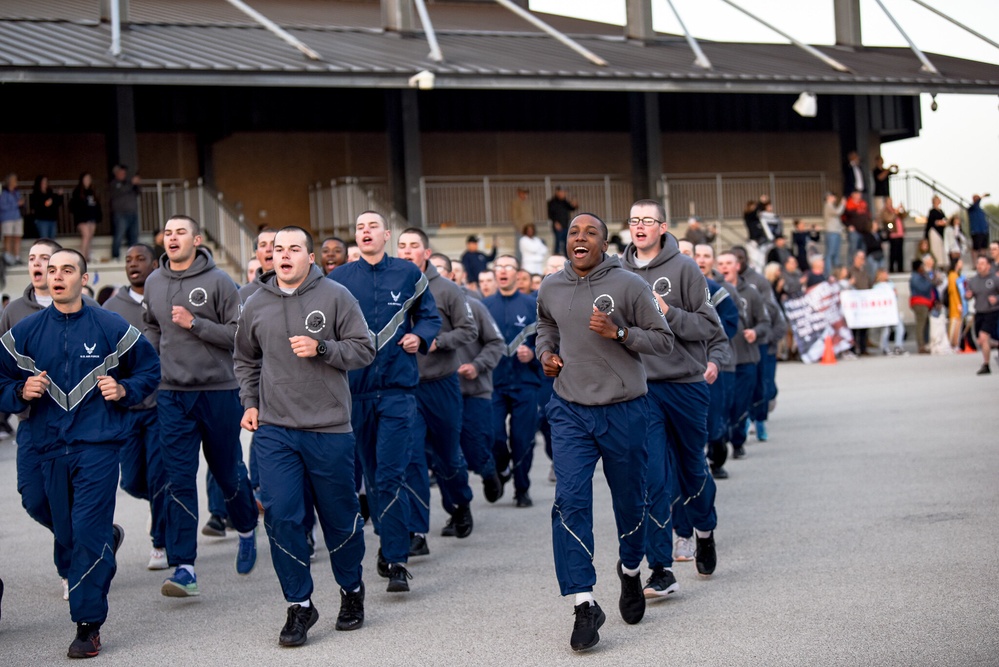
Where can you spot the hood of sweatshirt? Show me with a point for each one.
(670, 248)
(268, 281)
(203, 261)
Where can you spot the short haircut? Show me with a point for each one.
(192, 223)
(81, 261)
(380, 216)
(263, 230)
(424, 239)
(917, 264)
(444, 258)
(515, 260)
(147, 248)
(335, 239)
(603, 225)
(309, 245)
(660, 209)
(728, 252)
(53, 245)
(710, 248)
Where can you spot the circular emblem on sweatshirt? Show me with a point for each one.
(989, 284)
(315, 321)
(604, 303)
(198, 296)
(662, 286)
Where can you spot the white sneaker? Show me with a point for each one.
(683, 550)
(157, 560)
(65, 589)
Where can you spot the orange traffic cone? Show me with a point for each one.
(967, 347)
(828, 355)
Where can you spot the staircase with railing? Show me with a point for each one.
(915, 189)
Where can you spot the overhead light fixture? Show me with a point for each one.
(806, 105)
(934, 106)
(424, 80)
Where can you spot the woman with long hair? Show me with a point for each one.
(86, 210)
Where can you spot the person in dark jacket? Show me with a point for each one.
(560, 207)
(595, 320)
(44, 203)
(85, 207)
(123, 199)
(77, 392)
(298, 336)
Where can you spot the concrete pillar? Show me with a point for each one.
(405, 158)
(397, 16)
(847, 19)
(646, 145)
(122, 141)
(638, 25)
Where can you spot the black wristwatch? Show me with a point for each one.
(321, 349)
(621, 332)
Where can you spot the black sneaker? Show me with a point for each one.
(462, 516)
(661, 583)
(705, 555)
(381, 565)
(523, 499)
(448, 529)
(398, 579)
(1, 596)
(632, 602)
(492, 488)
(719, 472)
(88, 641)
(118, 537)
(738, 452)
(984, 370)
(418, 545)
(362, 500)
(296, 629)
(589, 618)
(351, 615)
(214, 527)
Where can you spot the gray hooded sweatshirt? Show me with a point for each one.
(752, 315)
(693, 320)
(457, 328)
(484, 352)
(766, 292)
(311, 393)
(123, 304)
(198, 359)
(598, 370)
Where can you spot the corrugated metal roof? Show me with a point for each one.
(212, 51)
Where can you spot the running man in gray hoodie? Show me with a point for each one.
(298, 336)
(678, 397)
(191, 313)
(595, 320)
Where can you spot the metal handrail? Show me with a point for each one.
(903, 180)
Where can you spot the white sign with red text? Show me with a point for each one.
(869, 308)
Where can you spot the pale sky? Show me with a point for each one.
(958, 145)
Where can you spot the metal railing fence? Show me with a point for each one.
(723, 196)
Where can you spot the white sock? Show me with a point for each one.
(247, 534)
(305, 605)
(702, 533)
(629, 572)
(584, 597)
(188, 568)
(356, 590)
(423, 535)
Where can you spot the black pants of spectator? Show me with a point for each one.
(895, 260)
(860, 341)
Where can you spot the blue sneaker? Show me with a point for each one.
(246, 555)
(182, 584)
(761, 431)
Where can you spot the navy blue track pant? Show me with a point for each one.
(544, 395)
(289, 461)
(517, 452)
(209, 419)
(719, 411)
(81, 490)
(477, 435)
(383, 429)
(581, 435)
(34, 498)
(678, 470)
(742, 401)
(142, 472)
(437, 429)
(766, 385)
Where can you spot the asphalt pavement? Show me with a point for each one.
(864, 532)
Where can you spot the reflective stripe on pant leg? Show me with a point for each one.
(219, 414)
(179, 445)
(687, 434)
(659, 533)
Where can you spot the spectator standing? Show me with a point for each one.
(86, 209)
(831, 215)
(521, 211)
(853, 176)
(936, 221)
(124, 204)
(922, 297)
(956, 304)
(881, 176)
(802, 237)
(892, 220)
(860, 279)
(754, 228)
(44, 203)
(955, 242)
(560, 208)
(978, 226)
(533, 250)
(11, 219)
(882, 281)
(857, 218)
(475, 262)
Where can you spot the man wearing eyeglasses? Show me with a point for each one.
(678, 396)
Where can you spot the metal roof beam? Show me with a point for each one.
(957, 23)
(541, 25)
(638, 24)
(700, 59)
(283, 34)
(927, 65)
(835, 64)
